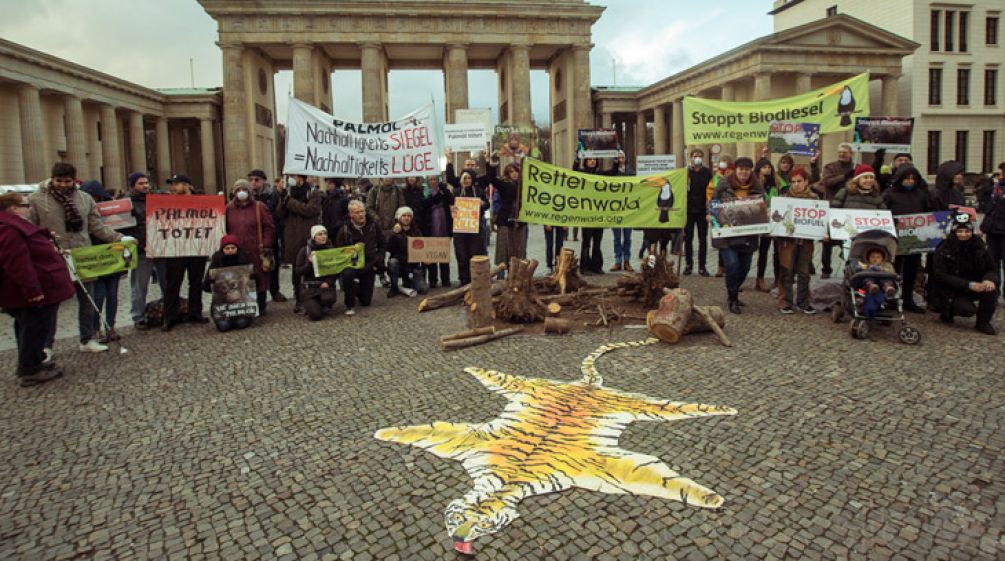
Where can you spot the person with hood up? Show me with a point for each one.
(948, 186)
(440, 225)
(737, 252)
(299, 209)
(251, 222)
(230, 254)
(769, 182)
(361, 228)
(795, 256)
(511, 240)
(106, 288)
(467, 246)
(907, 195)
(885, 180)
(72, 217)
(412, 275)
(964, 279)
(318, 293)
(861, 192)
(993, 226)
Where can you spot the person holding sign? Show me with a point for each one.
(795, 255)
(737, 252)
(361, 229)
(251, 222)
(412, 275)
(441, 225)
(698, 178)
(106, 288)
(511, 240)
(835, 175)
(177, 268)
(317, 294)
(229, 255)
(964, 278)
(905, 196)
(467, 245)
(33, 281)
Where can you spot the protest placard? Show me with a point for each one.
(798, 139)
(465, 137)
(233, 292)
(833, 107)
(922, 232)
(95, 261)
(333, 261)
(428, 250)
(466, 215)
(561, 197)
(798, 218)
(321, 144)
(645, 165)
(516, 141)
(185, 225)
(738, 217)
(888, 133)
(598, 143)
(845, 224)
(117, 214)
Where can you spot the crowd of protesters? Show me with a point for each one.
(283, 223)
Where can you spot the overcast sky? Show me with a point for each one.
(150, 42)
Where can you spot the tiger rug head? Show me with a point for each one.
(552, 436)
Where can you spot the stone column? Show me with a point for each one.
(890, 105)
(374, 83)
(236, 141)
(208, 156)
(520, 113)
(303, 73)
(582, 102)
(762, 86)
(728, 94)
(137, 143)
(804, 82)
(163, 151)
(455, 79)
(660, 130)
(677, 131)
(76, 144)
(640, 133)
(111, 152)
(32, 134)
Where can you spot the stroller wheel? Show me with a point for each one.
(909, 335)
(859, 328)
(837, 313)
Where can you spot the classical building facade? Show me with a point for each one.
(53, 110)
(952, 85)
(802, 58)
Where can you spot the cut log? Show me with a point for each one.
(452, 297)
(479, 339)
(557, 325)
(518, 303)
(711, 322)
(480, 313)
(697, 323)
(672, 316)
(468, 333)
(554, 309)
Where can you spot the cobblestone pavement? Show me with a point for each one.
(259, 444)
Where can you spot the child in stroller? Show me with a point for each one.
(885, 279)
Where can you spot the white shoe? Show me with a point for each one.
(48, 357)
(350, 312)
(93, 346)
(410, 292)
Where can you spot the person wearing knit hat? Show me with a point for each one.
(226, 286)
(229, 239)
(861, 191)
(134, 177)
(139, 277)
(412, 275)
(317, 294)
(317, 228)
(964, 282)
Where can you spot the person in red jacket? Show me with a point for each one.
(251, 222)
(33, 282)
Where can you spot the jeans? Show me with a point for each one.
(591, 256)
(622, 245)
(696, 221)
(411, 275)
(106, 298)
(31, 329)
(364, 291)
(232, 323)
(907, 267)
(554, 239)
(737, 268)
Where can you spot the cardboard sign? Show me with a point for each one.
(117, 214)
(465, 137)
(466, 215)
(845, 224)
(185, 225)
(645, 165)
(739, 217)
(798, 139)
(428, 250)
(233, 292)
(102, 260)
(598, 143)
(889, 133)
(798, 218)
(333, 261)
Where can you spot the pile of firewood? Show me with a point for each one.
(657, 274)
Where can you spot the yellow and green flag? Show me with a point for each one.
(834, 108)
(95, 261)
(557, 196)
(333, 261)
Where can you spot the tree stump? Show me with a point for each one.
(697, 323)
(480, 312)
(554, 309)
(656, 277)
(672, 316)
(518, 302)
(566, 278)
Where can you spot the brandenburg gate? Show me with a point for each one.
(315, 37)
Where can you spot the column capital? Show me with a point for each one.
(230, 45)
(301, 45)
(587, 47)
(370, 45)
(457, 45)
(25, 87)
(522, 47)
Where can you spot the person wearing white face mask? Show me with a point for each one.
(251, 222)
(698, 178)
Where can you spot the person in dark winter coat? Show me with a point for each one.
(993, 227)
(361, 228)
(415, 199)
(230, 254)
(963, 280)
(591, 255)
(948, 186)
(178, 268)
(737, 252)
(698, 178)
(885, 180)
(317, 293)
(906, 196)
(251, 222)
(440, 225)
(768, 179)
(467, 246)
(412, 275)
(33, 281)
(862, 191)
(139, 278)
(300, 210)
(835, 175)
(622, 236)
(482, 184)
(511, 237)
(334, 206)
(265, 194)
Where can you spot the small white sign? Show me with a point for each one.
(798, 218)
(463, 137)
(645, 165)
(845, 224)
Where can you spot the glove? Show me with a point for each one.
(128, 239)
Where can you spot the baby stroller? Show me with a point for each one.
(853, 296)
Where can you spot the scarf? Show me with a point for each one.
(72, 220)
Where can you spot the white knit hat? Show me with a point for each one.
(317, 228)
(403, 210)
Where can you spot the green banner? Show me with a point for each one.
(557, 196)
(834, 108)
(96, 261)
(333, 261)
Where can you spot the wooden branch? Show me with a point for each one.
(468, 333)
(478, 340)
(452, 297)
(713, 325)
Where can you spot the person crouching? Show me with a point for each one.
(229, 255)
(413, 279)
(317, 294)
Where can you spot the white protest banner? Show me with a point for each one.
(465, 137)
(320, 144)
(845, 224)
(798, 218)
(466, 215)
(889, 133)
(185, 225)
(738, 217)
(645, 165)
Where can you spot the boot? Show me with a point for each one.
(734, 303)
(721, 272)
(761, 286)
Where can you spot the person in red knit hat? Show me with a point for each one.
(861, 191)
(229, 255)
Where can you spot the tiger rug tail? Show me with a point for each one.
(552, 436)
